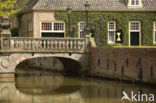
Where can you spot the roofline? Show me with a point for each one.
(27, 11)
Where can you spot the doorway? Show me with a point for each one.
(134, 38)
(134, 33)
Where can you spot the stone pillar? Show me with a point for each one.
(5, 35)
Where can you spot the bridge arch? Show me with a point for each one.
(9, 62)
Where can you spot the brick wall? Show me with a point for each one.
(121, 63)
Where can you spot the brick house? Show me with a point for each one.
(136, 19)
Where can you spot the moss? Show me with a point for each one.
(99, 22)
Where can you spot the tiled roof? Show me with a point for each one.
(96, 5)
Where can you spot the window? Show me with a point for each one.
(58, 26)
(134, 2)
(111, 31)
(81, 29)
(154, 32)
(52, 27)
(46, 26)
(134, 26)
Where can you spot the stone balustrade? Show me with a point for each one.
(48, 44)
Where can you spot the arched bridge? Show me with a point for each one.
(17, 49)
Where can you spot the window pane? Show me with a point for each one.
(82, 26)
(111, 36)
(46, 26)
(111, 25)
(134, 26)
(137, 2)
(132, 2)
(81, 29)
(82, 34)
(58, 26)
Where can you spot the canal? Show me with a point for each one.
(39, 86)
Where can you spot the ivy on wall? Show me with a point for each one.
(99, 22)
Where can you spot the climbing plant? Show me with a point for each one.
(99, 23)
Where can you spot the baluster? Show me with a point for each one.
(44, 44)
(71, 44)
(29, 45)
(79, 44)
(75, 42)
(16, 41)
(18, 44)
(60, 44)
(55, 45)
(36, 44)
(25, 44)
(21, 44)
(48, 43)
(63, 44)
(40, 44)
(51, 44)
(32, 44)
(12, 43)
(67, 44)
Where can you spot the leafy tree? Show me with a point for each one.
(8, 7)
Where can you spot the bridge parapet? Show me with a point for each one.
(30, 44)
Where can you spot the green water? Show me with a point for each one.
(48, 87)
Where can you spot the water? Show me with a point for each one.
(49, 87)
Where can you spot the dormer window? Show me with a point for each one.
(134, 3)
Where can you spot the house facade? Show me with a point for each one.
(133, 20)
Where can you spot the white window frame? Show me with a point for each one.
(79, 28)
(135, 31)
(112, 30)
(135, 5)
(154, 33)
(53, 31)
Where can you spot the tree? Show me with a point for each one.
(8, 7)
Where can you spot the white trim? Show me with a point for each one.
(135, 31)
(154, 34)
(111, 30)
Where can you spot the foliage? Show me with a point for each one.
(99, 23)
(8, 7)
(14, 31)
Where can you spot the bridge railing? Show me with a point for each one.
(48, 44)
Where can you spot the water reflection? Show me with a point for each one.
(55, 88)
(51, 84)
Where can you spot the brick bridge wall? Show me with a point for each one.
(124, 63)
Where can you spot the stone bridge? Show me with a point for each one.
(72, 52)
